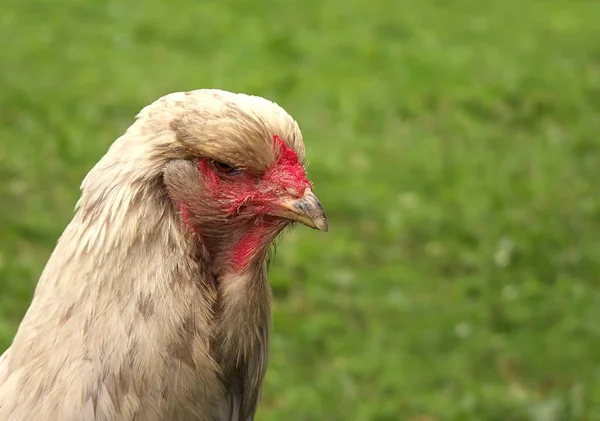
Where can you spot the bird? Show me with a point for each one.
(155, 303)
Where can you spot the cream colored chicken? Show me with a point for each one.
(155, 303)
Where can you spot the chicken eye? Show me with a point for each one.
(222, 167)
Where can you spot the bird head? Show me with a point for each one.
(232, 166)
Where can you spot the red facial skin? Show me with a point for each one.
(251, 196)
(248, 247)
(285, 178)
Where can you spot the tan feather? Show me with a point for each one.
(128, 321)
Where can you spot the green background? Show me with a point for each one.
(454, 144)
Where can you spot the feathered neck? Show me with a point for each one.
(128, 289)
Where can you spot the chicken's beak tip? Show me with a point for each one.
(307, 210)
(322, 225)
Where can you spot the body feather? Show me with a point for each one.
(135, 316)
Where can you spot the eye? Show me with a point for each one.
(222, 167)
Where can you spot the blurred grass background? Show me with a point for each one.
(455, 145)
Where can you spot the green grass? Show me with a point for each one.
(454, 144)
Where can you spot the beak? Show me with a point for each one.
(307, 210)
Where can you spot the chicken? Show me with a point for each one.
(155, 303)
